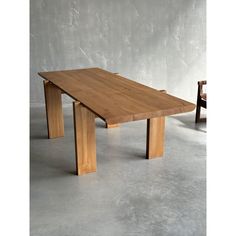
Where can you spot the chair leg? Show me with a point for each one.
(198, 112)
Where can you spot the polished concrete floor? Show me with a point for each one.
(128, 195)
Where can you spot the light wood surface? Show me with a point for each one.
(155, 137)
(54, 112)
(112, 126)
(118, 125)
(114, 98)
(85, 139)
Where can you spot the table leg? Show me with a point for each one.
(155, 137)
(85, 139)
(54, 112)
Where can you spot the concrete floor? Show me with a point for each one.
(128, 195)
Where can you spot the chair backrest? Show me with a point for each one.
(201, 92)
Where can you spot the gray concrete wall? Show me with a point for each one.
(160, 43)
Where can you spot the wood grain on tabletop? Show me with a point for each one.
(114, 98)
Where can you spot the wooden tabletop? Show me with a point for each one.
(114, 98)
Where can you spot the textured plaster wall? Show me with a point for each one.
(160, 43)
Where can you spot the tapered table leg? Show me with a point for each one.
(155, 137)
(85, 139)
(54, 112)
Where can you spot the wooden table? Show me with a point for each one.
(113, 98)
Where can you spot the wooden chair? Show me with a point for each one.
(201, 100)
